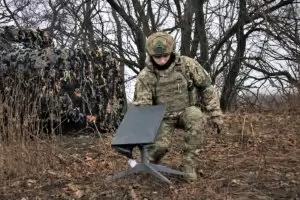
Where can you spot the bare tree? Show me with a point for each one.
(243, 44)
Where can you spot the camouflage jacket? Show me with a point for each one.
(177, 92)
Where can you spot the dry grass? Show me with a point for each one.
(258, 158)
(278, 103)
(24, 149)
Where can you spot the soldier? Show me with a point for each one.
(176, 81)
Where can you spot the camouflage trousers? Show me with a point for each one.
(193, 121)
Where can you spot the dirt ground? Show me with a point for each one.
(258, 158)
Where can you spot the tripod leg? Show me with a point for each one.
(157, 174)
(128, 172)
(162, 168)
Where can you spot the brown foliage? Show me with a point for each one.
(258, 158)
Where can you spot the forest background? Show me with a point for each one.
(249, 47)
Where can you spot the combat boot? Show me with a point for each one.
(156, 155)
(190, 174)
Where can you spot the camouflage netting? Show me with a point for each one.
(63, 86)
(13, 39)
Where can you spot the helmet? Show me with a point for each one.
(159, 44)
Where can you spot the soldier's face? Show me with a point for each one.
(161, 60)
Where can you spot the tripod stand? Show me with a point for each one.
(140, 127)
(147, 167)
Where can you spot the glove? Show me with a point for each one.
(217, 124)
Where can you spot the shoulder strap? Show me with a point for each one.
(154, 88)
(185, 69)
(187, 74)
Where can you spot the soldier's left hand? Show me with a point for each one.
(217, 124)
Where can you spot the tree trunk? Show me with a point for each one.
(186, 28)
(200, 35)
(137, 32)
(229, 91)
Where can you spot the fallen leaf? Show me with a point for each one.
(108, 108)
(77, 94)
(30, 182)
(52, 172)
(132, 194)
(79, 193)
(73, 187)
(88, 158)
(16, 184)
(91, 118)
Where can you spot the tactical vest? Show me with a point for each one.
(173, 88)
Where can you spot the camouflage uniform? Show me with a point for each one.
(178, 87)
